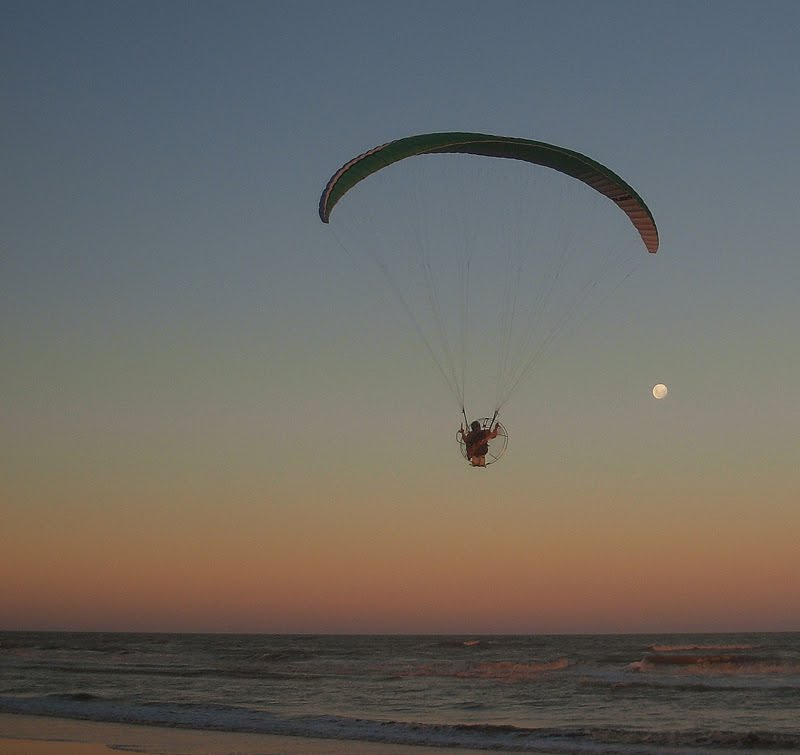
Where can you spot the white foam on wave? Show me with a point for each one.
(566, 739)
(715, 665)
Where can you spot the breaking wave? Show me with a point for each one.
(715, 663)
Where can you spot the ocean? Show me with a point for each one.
(557, 693)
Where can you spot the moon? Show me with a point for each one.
(659, 391)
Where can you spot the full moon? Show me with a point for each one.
(659, 391)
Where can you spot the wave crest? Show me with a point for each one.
(509, 671)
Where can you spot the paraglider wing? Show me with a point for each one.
(565, 161)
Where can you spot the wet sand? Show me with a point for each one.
(39, 735)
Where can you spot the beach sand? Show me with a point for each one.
(39, 735)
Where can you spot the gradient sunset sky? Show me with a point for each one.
(208, 422)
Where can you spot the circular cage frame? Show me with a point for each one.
(497, 446)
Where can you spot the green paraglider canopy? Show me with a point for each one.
(566, 161)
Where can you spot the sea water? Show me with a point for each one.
(560, 693)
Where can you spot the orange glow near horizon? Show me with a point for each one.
(489, 569)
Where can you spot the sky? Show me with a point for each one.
(210, 420)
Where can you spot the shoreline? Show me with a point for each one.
(22, 734)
